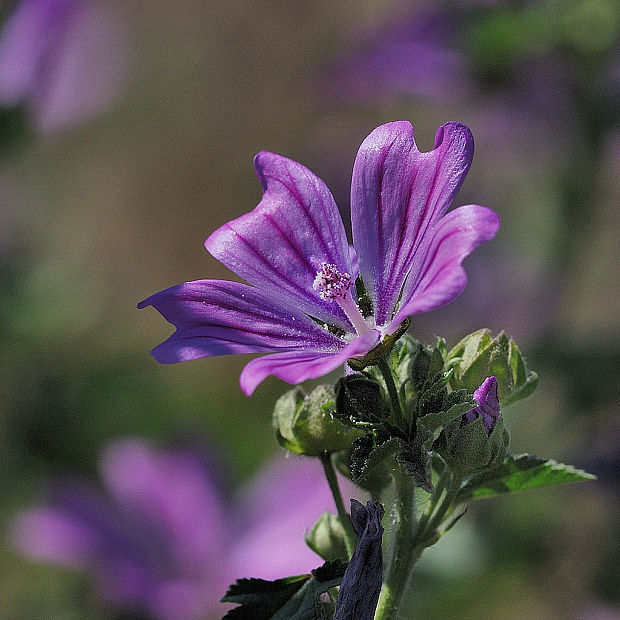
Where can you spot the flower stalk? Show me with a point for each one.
(349, 535)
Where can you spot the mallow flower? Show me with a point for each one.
(310, 300)
(160, 538)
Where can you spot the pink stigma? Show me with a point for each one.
(330, 283)
(335, 286)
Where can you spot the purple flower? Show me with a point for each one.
(414, 55)
(63, 58)
(162, 540)
(488, 405)
(301, 300)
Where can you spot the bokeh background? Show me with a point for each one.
(134, 139)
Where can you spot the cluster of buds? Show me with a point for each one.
(477, 440)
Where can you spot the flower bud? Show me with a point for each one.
(305, 424)
(479, 355)
(478, 440)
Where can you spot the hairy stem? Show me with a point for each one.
(403, 552)
(349, 535)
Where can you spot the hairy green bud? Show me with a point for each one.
(305, 423)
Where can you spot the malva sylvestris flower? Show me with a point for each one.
(301, 302)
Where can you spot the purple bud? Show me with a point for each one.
(361, 584)
(488, 405)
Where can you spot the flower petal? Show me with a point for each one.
(280, 245)
(87, 70)
(56, 535)
(25, 37)
(258, 522)
(397, 193)
(437, 276)
(171, 490)
(216, 317)
(297, 366)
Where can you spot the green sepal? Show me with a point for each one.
(426, 364)
(305, 424)
(480, 355)
(518, 473)
(291, 598)
(468, 448)
(326, 537)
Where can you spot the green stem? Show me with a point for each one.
(350, 539)
(443, 481)
(403, 552)
(388, 377)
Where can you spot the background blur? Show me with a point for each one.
(99, 211)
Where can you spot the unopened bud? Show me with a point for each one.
(478, 440)
(305, 423)
(479, 355)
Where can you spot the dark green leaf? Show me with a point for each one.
(433, 421)
(292, 598)
(259, 599)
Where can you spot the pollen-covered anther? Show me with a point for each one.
(330, 283)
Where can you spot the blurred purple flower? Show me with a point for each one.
(488, 407)
(63, 58)
(293, 251)
(415, 55)
(518, 86)
(162, 540)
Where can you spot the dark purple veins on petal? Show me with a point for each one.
(281, 244)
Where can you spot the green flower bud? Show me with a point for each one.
(326, 537)
(479, 356)
(305, 423)
(478, 440)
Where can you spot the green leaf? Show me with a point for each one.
(292, 598)
(518, 473)
(259, 599)
(433, 421)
